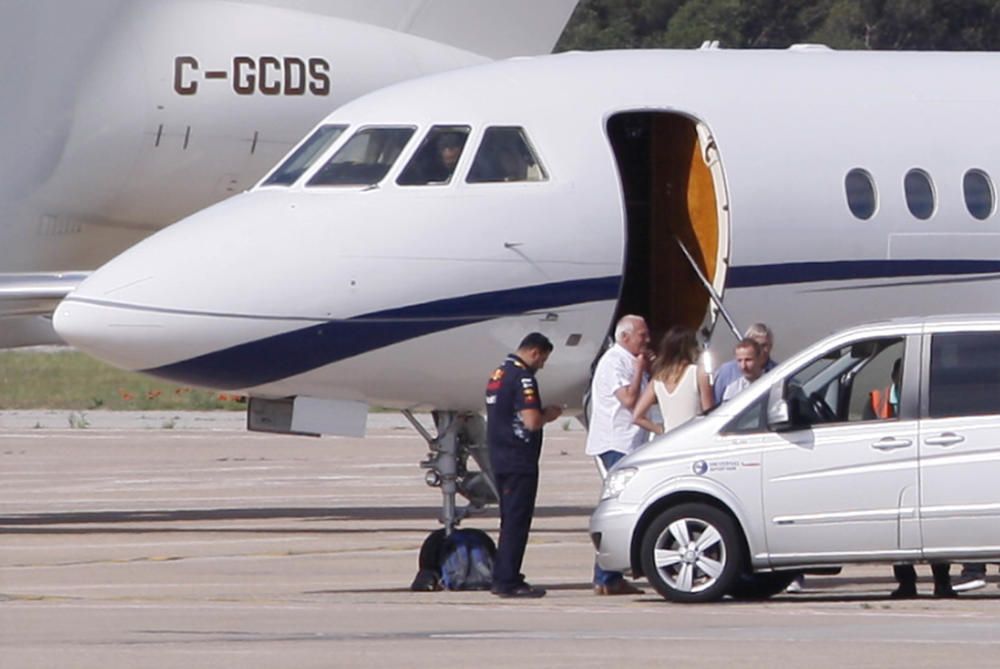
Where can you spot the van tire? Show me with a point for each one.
(757, 587)
(693, 553)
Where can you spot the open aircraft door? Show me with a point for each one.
(677, 220)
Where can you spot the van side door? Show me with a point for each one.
(960, 443)
(840, 481)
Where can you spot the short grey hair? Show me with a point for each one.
(759, 330)
(626, 325)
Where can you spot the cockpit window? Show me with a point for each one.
(434, 162)
(304, 156)
(505, 155)
(364, 159)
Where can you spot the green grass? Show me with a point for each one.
(66, 379)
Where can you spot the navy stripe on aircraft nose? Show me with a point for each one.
(756, 276)
(281, 356)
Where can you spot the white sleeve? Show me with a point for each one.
(610, 376)
(622, 373)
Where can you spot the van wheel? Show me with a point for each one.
(692, 553)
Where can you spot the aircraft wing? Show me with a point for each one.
(26, 305)
(487, 27)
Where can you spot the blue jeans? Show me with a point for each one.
(602, 577)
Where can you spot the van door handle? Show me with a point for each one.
(891, 444)
(945, 439)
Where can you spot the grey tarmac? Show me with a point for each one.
(170, 542)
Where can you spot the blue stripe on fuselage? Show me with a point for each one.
(757, 276)
(281, 356)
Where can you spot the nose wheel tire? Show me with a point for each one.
(692, 553)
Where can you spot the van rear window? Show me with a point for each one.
(965, 374)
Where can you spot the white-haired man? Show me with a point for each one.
(616, 387)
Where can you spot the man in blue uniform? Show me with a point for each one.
(515, 418)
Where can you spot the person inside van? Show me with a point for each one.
(884, 402)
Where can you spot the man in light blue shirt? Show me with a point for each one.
(730, 371)
(750, 361)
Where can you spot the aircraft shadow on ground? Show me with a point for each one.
(111, 521)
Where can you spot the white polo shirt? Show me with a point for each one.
(611, 427)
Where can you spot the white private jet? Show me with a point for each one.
(123, 116)
(806, 188)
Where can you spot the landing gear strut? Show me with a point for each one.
(460, 435)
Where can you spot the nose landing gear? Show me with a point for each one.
(460, 436)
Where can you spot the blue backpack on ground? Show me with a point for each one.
(467, 560)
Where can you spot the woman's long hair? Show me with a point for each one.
(678, 349)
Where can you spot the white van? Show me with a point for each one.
(820, 462)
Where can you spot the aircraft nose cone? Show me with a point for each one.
(126, 337)
(167, 299)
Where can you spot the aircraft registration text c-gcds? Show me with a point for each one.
(265, 75)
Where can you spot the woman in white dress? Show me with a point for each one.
(679, 385)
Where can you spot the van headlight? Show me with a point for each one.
(616, 482)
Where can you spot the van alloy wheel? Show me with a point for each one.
(692, 553)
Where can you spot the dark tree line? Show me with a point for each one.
(947, 25)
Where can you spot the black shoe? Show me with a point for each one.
(523, 591)
(944, 590)
(904, 591)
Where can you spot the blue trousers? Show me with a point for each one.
(517, 506)
(602, 577)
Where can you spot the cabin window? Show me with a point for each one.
(365, 159)
(919, 191)
(978, 194)
(505, 155)
(435, 160)
(304, 156)
(861, 196)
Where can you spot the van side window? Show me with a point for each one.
(965, 374)
(858, 382)
(752, 419)
(435, 161)
(505, 155)
(364, 159)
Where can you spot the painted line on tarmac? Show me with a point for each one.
(760, 637)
